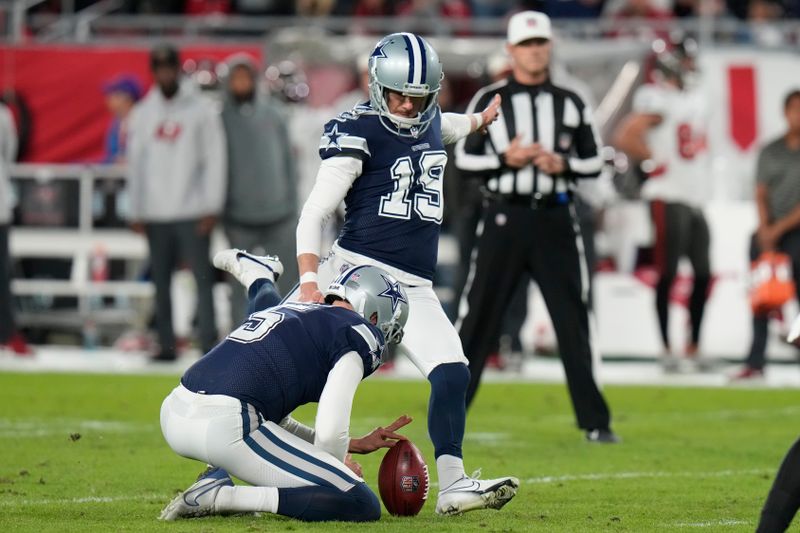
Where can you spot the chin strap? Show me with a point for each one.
(401, 130)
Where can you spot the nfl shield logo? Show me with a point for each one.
(409, 483)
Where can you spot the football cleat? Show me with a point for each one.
(17, 345)
(468, 494)
(198, 500)
(247, 268)
(603, 436)
(748, 374)
(669, 363)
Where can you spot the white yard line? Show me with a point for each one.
(716, 416)
(36, 427)
(709, 523)
(643, 475)
(85, 499)
(638, 475)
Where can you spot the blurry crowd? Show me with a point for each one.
(752, 10)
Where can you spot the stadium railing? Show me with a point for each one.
(79, 244)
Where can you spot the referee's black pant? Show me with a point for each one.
(546, 243)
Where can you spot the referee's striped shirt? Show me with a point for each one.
(548, 114)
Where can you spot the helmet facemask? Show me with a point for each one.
(393, 329)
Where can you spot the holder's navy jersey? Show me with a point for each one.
(394, 209)
(279, 359)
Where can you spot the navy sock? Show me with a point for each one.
(317, 504)
(262, 294)
(447, 410)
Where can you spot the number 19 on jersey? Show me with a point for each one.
(418, 189)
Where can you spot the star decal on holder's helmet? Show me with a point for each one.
(333, 137)
(393, 291)
(378, 52)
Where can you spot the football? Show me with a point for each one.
(403, 479)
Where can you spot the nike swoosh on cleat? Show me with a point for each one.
(472, 488)
(245, 256)
(199, 491)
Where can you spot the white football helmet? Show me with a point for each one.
(406, 63)
(375, 295)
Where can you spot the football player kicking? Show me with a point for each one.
(232, 408)
(386, 159)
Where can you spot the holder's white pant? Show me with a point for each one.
(226, 432)
(429, 338)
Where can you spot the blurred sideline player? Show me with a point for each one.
(232, 408)
(386, 159)
(666, 132)
(783, 499)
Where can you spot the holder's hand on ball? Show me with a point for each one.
(352, 465)
(380, 437)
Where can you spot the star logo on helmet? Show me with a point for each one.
(393, 291)
(378, 52)
(333, 137)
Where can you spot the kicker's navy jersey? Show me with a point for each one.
(394, 209)
(279, 359)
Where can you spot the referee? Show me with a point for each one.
(541, 143)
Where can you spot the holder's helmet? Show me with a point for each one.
(375, 295)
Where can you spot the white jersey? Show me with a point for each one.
(678, 143)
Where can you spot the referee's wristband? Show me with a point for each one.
(478, 120)
(308, 277)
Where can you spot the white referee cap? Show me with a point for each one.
(528, 25)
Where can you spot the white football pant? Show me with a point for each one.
(429, 338)
(226, 432)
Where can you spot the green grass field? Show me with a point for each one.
(692, 458)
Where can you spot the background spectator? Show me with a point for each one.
(207, 7)
(434, 8)
(10, 338)
(778, 204)
(121, 94)
(572, 9)
(264, 7)
(176, 156)
(761, 14)
(261, 206)
(373, 8)
(314, 8)
(641, 9)
(697, 8)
